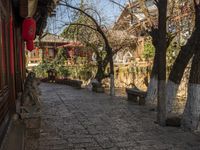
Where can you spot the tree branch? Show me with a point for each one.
(80, 24)
(78, 9)
(120, 5)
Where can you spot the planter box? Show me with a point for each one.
(97, 87)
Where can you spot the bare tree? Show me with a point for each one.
(160, 40)
(161, 49)
(108, 59)
(184, 56)
(191, 115)
(122, 40)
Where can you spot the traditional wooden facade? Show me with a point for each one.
(12, 55)
(12, 70)
(137, 17)
(75, 50)
(48, 46)
(46, 49)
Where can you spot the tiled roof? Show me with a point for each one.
(53, 38)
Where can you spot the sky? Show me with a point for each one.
(109, 11)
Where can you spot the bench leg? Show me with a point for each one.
(141, 101)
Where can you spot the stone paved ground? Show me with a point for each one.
(79, 119)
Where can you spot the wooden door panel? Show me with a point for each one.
(4, 68)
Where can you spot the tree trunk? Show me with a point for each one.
(112, 80)
(191, 115)
(158, 75)
(153, 85)
(112, 85)
(101, 67)
(161, 102)
(178, 69)
(182, 60)
(162, 49)
(100, 73)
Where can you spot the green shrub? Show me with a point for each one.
(62, 71)
(41, 69)
(149, 50)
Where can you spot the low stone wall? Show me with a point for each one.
(70, 82)
(66, 81)
(128, 76)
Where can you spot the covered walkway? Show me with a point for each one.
(81, 119)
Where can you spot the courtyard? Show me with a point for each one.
(80, 119)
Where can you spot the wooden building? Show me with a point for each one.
(12, 51)
(138, 17)
(47, 48)
(75, 50)
(135, 17)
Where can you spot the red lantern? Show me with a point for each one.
(29, 29)
(30, 45)
(28, 32)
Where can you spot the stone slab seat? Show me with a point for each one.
(136, 95)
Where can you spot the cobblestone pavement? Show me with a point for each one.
(80, 119)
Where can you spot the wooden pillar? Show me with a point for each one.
(12, 94)
(47, 52)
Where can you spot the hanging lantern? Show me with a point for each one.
(29, 29)
(28, 32)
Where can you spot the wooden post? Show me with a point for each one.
(12, 68)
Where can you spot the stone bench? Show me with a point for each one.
(136, 95)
